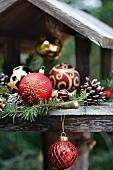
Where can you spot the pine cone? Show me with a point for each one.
(3, 79)
(14, 98)
(96, 95)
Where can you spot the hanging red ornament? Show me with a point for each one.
(35, 87)
(62, 154)
(108, 93)
(64, 76)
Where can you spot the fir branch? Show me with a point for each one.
(83, 96)
(27, 112)
(4, 91)
(108, 82)
(30, 113)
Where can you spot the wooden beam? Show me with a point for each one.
(78, 20)
(18, 35)
(106, 62)
(4, 4)
(11, 55)
(83, 51)
(81, 123)
(84, 119)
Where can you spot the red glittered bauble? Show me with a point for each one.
(64, 76)
(35, 87)
(107, 93)
(62, 154)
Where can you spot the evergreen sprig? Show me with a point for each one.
(4, 91)
(30, 113)
(83, 96)
(27, 112)
(108, 82)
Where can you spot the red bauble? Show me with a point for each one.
(63, 94)
(35, 87)
(62, 154)
(108, 93)
(64, 76)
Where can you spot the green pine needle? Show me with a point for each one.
(30, 113)
(27, 112)
(4, 91)
(83, 96)
(108, 82)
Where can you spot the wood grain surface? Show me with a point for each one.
(53, 124)
(25, 19)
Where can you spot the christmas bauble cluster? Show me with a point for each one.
(32, 87)
(96, 94)
(62, 154)
(64, 76)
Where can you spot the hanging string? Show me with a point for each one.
(62, 122)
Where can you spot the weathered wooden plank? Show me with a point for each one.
(86, 118)
(106, 62)
(85, 24)
(83, 61)
(53, 124)
(87, 110)
(4, 4)
(106, 108)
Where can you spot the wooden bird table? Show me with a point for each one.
(85, 118)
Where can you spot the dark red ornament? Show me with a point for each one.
(63, 94)
(62, 154)
(64, 76)
(107, 93)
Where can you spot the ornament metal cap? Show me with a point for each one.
(42, 69)
(63, 137)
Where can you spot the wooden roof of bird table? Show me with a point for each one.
(24, 19)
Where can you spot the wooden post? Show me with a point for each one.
(106, 62)
(83, 63)
(82, 162)
(11, 56)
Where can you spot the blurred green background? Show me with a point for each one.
(23, 150)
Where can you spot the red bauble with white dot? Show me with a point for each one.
(64, 76)
(62, 154)
(63, 94)
(35, 87)
(107, 93)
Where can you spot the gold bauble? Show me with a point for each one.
(49, 47)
